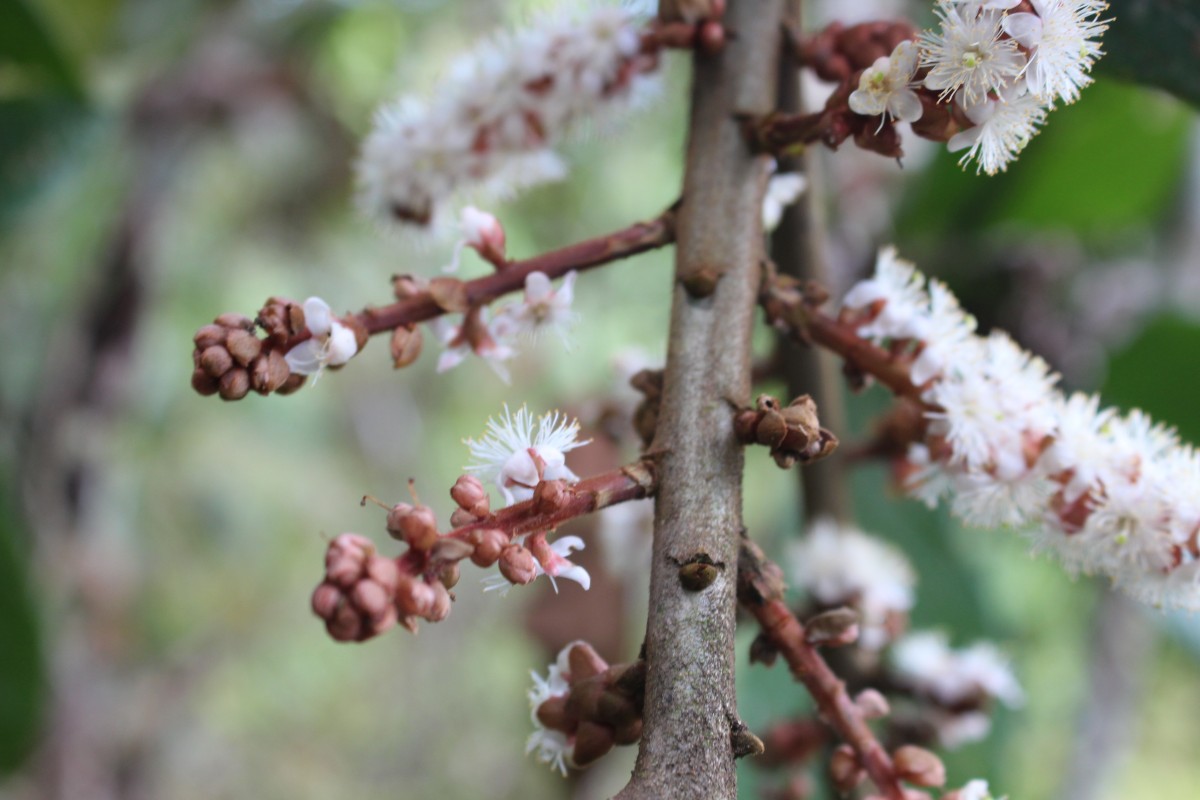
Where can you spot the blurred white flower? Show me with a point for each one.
(782, 191)
(332, 343)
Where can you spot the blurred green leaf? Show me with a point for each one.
(22, 682)
(1107, 163)
(34, 134)
(25, 41)
(1156, 42)
(1141, 375)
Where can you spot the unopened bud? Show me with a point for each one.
(406, 345)
(629, 733)
(346, 559)
(845, 770)
(293, 383)
(871, 704)
(552, 713)
(416, 525)
(244, 346)
(918, 765)
(469, 494)
(592, 741)
(370, 598)
(383, 571)
(405, 286)
(345, 625)
(231, 320)
(518, 565)
(216, 360)
(450, 549)
(440, 608)
(268, 372)
(484, 233)
(414, 597)
(583, 662)
(208, 336)
(204, 383)
(459, 518)
(835, 628)
(234, 384)
(449, 575)
(325, 600)
(550, 496)
(616, 710)
(489, 544)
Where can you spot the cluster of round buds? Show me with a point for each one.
(300, 340)
(357, 599)
(584, 707)
(792, 432)
(232, 361)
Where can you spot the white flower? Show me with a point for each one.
(549, 560)
(782, 191)
(1002, 129)
(551, 746)
(925, 661)
(518, 451)
(332, 343)
(1061, 37)
(839, 564)
(900, 288)
(976, 790)
(967, 55)
(474, 335)
(884, 89)
(492, 121)
(544, 309)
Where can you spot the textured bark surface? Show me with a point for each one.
(690, 707)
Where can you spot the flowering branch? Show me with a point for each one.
(231, 360)
(760, 591)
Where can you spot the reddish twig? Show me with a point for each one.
(637, 238)
(760, 591)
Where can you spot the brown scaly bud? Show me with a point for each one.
(235, 321)
(292, 384)
(234, 384)
(451, 550)
(414, 597)
(406, 286)
(550, 497)
(216, 360)
(356, 600)
(269, 372)
(919, 766)
(244, 346)
(209, 336)
(440, 609)
(518, 565)
(872, 704)
(552, 713)
(592, 740)
(489, 544)
(845, 770)
(459, 518)
(406, 345)
(203, 383)
(645, 418)
(835, 628)
(584, 662)
(469, 494)
(448, 575)
(416, 525)
(281, 319)
(793, 432)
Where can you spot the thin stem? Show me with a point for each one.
(637, 238)
(761, 594)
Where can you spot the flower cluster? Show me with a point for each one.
(492, 120)
(1108, 493)
(583, 707)
(1006, 70)
(838, 564)
(961, 683)
(519, 451)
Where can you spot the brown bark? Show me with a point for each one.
(686, 749)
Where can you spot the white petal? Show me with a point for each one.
(451, 359)
(537, 287)
(317, 316)
(566, 545)
(578, 574)
(905, 106)
(305, 358)
(964, 139)
(342, 345)
(1025, 28)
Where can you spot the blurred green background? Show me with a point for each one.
(162, 161)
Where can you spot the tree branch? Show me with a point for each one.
(690, 711)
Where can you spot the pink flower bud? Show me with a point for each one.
(470, 495)
(370, 598)
(415, 598)
(384, 571)
(583, 662)
(550, 496)
(325, 600)
(483, 232)
(844, 769)
(871, 704)
(920, 766)
(345, 625)
(460, 518)
(592, 740)
(489, 544)
(440, 608)
(346, 558)
(417, 525)
(518, 565)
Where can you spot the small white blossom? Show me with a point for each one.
(976, 790)
(782, 191)
(883, 90)
(518, 451)
(839, 564)
(900, 288)
(925, 661)
(544, 308)
(967, 55)
(550, 746)
(332, 343)
(492, 121)
(1003, 127)
(1061, 35)
(477, 335)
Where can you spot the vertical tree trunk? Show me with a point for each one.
(690, 705)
